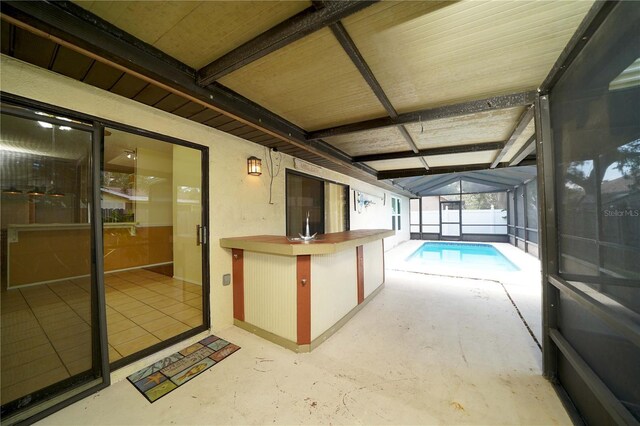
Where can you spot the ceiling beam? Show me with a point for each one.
(454, 110)
(523, 122)
(526, 149)
(298, 26)
(494, 177)
(458, 149)
(496, 185)
(590, 23)
(433, 184)
(70, 25)
(350, 48)
(401, 173)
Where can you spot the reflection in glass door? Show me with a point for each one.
(154, 234)
(450, 219)
(50, 335)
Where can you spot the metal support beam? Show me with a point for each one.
(548, 235)
(350, 48)
(497, 185)
(523, 122)
(447, 111)
(420, 182)
(393, 174)
(618, 412)
(72, 26)
(458, 149)
(431, 185)
(527, 149)
(502, 179)
(298, 26)
(592, 20)
(341, 34)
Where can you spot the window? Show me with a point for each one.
(414, 215)
(396, 224)
(325, 202)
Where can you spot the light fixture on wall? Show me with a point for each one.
(55, 193)
(12, 191)
(254, 166)
(37, 191)
(130, 154)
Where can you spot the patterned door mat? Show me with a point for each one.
(160, 378)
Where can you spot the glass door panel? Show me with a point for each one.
(153, 242)
(50, 337)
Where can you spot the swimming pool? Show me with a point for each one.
(484, 257)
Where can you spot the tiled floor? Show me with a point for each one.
(46, 332)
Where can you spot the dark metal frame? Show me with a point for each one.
(446, 111)
(619, 318)
(206, 267)
(524, 227)
(591, 22)
(99, 378)
(457, 149)
(350, 48)
(402, 173)
(527, 149)
(294, 28)
(522, 124)
(547, 236)
(459, 222)
(82, 29)
(24, 107)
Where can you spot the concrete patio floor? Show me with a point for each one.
(426, 350)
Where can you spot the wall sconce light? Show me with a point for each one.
(254, 166)
(37, 191)
(131, 154)
(12, 191)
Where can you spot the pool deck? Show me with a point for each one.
(523, 286)
(427, 350)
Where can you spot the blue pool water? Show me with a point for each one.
(482, 257)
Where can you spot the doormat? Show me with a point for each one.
(160, 378)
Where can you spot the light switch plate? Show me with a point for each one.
(226, 279)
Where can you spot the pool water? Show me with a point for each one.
(482, 257)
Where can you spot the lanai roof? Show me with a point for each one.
(377, 90)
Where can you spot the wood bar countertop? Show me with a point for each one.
(324, 244)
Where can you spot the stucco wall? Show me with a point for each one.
(238, 202)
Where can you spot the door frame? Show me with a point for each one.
(68, 394)
(459, 222)
(555, 347)
(26, 108)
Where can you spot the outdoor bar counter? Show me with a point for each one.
(297, 294)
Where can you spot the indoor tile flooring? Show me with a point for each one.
(46, 331)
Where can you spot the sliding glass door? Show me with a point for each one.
(104, 252)
(154, 235)
(50, 293)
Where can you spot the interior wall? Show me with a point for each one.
(154, 208)
(239, 203)
(187, 214)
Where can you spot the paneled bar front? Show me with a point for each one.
(298, 294)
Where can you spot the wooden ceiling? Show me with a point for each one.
(374, 90)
